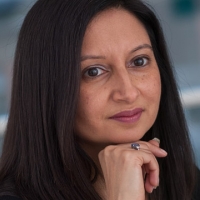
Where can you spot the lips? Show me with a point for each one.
(128, 116)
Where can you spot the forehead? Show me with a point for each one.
(114, 25)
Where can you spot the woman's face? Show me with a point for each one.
(120, 86)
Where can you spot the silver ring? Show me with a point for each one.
(135, 146)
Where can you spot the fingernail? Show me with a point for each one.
(163, 151)
(156, 186)
(152, 190)
(157, 140)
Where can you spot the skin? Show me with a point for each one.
(119, 73)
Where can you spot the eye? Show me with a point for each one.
(139, 62)
(93, 72)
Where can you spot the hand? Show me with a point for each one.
(123, 169)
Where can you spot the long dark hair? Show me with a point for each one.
(41, 158)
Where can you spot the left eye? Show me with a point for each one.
(139, 62)
(94, 71)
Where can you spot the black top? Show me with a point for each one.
(9, 198)
(196, 195)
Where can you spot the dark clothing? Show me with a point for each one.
(9, 198)
(196, 195)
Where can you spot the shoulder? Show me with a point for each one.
(7, 197)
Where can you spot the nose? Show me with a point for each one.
(125, 87)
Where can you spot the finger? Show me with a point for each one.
(149, 166)
(152, 176)
(148, 186)
(155, 141)
(147, 146)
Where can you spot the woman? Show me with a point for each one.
(92, 87)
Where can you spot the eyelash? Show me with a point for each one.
(147, 60)
(86, 71)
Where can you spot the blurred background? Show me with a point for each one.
(180, 20)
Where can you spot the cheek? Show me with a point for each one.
(155, 88)
(89, 113)
(152, 88)
(89, 103)
(83, 104)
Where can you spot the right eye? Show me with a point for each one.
(94, 72)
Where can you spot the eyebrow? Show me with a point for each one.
(92, 57)
(143, 46)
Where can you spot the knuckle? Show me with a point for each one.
(127, 156)
(145, 145)
(107, 151)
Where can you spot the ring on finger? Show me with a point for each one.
(135, 146)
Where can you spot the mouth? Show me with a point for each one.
(128, 116)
